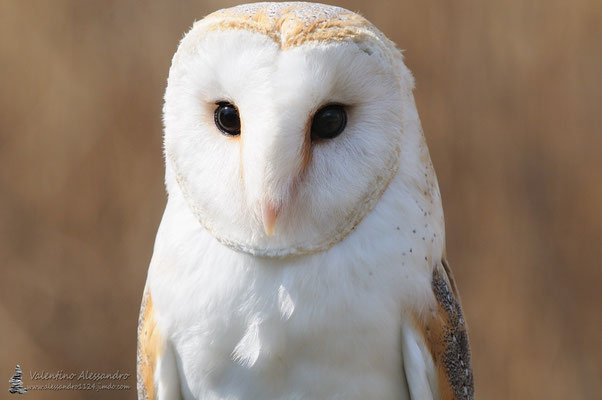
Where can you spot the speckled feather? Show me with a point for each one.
(455, 355)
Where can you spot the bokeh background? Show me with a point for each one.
(510, 96)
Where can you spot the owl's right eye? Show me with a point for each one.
(227, 119)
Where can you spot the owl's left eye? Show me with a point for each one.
(227, 119)
(328, 122)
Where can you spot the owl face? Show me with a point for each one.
(282, 125)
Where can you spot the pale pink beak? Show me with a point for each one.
(269, 214)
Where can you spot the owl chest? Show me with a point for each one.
(276, 333)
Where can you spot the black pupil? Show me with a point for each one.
(328, 122)
(227, 119)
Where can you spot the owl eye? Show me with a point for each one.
(227, 119)
(328, 122)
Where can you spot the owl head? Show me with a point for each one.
(284, 124)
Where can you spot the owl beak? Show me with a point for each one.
(269, 214)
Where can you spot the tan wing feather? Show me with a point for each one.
(149, 348)
(445, 335)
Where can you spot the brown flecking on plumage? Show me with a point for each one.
(445, 335)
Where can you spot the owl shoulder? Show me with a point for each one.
(436, 347)
(149, 348)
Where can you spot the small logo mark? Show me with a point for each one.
(16, 383)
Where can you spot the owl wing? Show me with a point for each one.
(436, 353)
(147, 351)
(156, 368)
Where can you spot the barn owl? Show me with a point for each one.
(301, 254)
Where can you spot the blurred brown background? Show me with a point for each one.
(510, 95)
